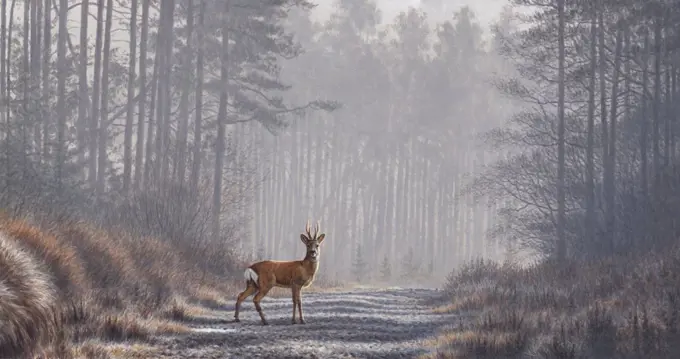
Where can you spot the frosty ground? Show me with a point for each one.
(362, 323)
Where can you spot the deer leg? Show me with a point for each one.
(250, 289)
(256, 301)
(299, 303)
(295, 302)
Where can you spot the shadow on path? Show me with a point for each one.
(356, 324)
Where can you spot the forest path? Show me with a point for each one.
(361, 323)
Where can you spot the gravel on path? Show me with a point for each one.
(361, 323)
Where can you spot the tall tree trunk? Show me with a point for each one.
(162, 82)
(310, 148)
(644, 167)
(104, 118)
(399, 190)
(590, 142)
(295, 172)
(167, 95)
(629, 163)
(656, 103)
(61, 91)
(8, 96)
(221, 121)
(668, 134)
(96, 88)
(182, 132)
(442, 211)
(35, 79)
(83, 87)
(604, 126)
(150, 161)
(561, 217)
(46, 83)
(318, 174)
(198, 117)
(670, 114)
(27, 118)
(8, 84)
(4, 100)
(127, 141)
(611, 186)
(139, 148)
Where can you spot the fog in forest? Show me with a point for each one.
(419, 134)
(366, 117)
(513, 158)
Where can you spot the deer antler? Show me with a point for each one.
(308, 229)
(316, 228)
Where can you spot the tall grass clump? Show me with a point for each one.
(78, 268)
(27, 320)
(622, 307)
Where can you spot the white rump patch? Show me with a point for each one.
(250, 274)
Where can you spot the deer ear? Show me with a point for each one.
(321, 237)
(304, 239)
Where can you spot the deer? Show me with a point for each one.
(262, 276)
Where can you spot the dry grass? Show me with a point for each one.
(82, 285)
(618, 308)
(100, 350)
(214, 298)
(27, 320)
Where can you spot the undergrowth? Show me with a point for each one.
(616, 308)
(64, 284)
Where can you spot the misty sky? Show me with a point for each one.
(486, 10)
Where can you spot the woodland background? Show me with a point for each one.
(368, 125)
(412, 140)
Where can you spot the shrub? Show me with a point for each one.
(620, 307)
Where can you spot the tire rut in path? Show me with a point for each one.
(388, 323)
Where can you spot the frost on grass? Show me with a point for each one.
(618, 308)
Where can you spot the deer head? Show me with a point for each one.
(312, 242)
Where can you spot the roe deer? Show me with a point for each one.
(261, 277)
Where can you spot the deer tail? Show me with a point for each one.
(250, 276)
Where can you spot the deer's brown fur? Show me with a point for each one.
(262, 276)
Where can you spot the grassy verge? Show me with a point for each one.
(64, 287)
(619, 308)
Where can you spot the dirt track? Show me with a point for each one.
(389, 323)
